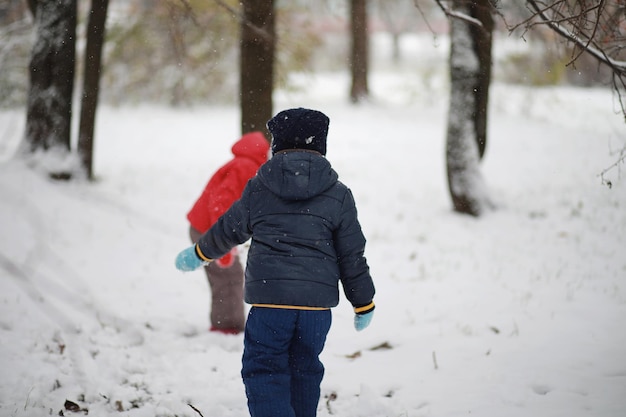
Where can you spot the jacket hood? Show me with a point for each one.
(297, 175)
(252, 145)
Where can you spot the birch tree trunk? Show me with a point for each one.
(469, 87)
(49, 107)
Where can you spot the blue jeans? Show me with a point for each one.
(281, 369)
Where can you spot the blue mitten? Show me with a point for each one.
(188, 260)
(361, 321)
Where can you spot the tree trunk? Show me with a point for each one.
(91, 83)
(258, 43)
(395, 47)
(359, 58)
(482, 10)
(49, 108)
(32, 5)
(466, 118)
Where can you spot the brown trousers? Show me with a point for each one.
(227, 311)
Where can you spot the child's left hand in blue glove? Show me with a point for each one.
(189, 260)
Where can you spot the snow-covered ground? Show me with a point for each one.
(520, 312)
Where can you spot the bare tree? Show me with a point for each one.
(471, 26)
(257, 50)
(16, 26)
(593, 27)
(596, 28)
(399, 18)
(359, 51)
(177, 52)
(49, 108)
(91, 83)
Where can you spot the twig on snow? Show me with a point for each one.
(620, 160)
(331, 397)
(195, 409)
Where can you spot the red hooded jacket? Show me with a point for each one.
(227, 184)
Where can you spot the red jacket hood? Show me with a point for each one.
(252, 145)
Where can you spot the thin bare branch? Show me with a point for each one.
(232, 10)
(189, 11)
(620, 160)
(416, 3)
(618, 66)
(262, 33)
(456, 15)
(589, 41)
(582, 36)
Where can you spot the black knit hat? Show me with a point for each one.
(299, 129)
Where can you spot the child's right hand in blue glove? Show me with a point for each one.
(188, 260)
(361, 321)
(363, 316)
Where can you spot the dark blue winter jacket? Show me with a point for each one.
(305, 235)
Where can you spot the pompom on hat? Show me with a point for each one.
(299, 128)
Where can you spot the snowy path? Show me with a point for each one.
(518, 313)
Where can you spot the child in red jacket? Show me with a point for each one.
(225, 276)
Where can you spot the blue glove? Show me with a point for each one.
(188, 260)
(361, 321)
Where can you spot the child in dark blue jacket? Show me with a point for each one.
(306, 239)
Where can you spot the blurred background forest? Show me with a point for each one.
(183, 53)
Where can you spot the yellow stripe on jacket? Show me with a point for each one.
(288, 307)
